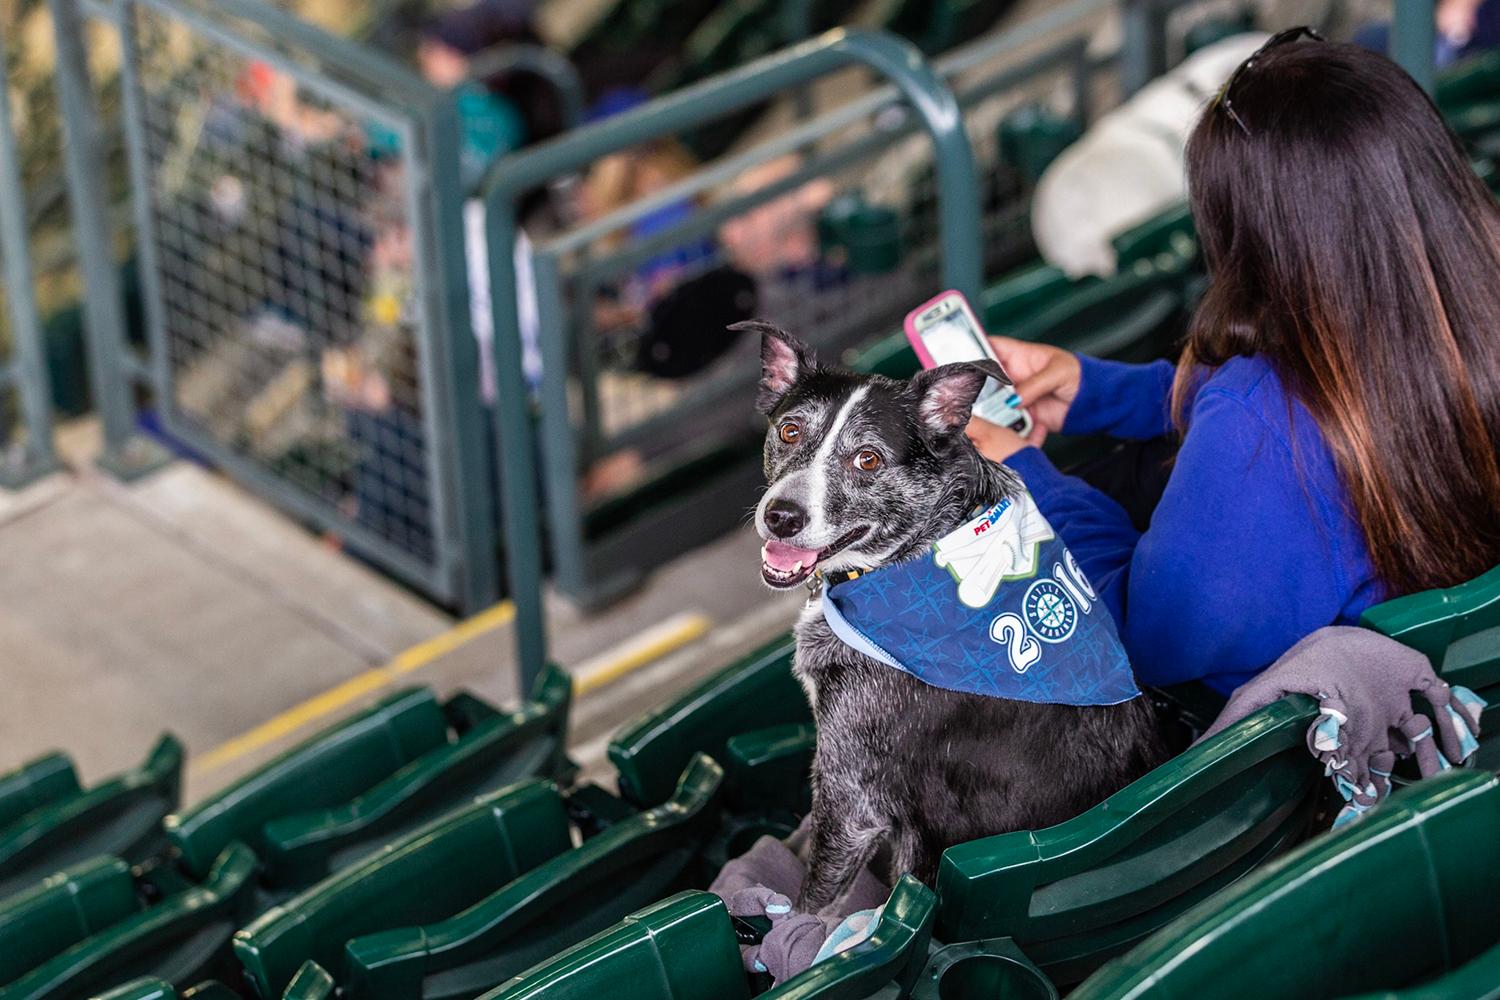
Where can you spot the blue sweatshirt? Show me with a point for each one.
(1254, 544)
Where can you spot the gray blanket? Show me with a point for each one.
(1364, 683)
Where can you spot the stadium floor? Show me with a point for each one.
(220, 620)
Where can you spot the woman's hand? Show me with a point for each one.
(1046, 379)
(994, 442)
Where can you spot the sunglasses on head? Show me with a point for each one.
(1224, 102)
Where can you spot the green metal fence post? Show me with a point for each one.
(1414, 39)
(889, 56)
(26, 366)
(126, 454)
(1143, 51)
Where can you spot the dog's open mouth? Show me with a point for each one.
(784, 565)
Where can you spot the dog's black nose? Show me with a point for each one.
(784, 518)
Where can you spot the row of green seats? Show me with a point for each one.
(1431, 858)
(201, 873)
(1469, 96)
(476, 897)
(310, 983)
(98, 923)
(373, 777)
(685, 948)
(1022, 913)
(47, 822)
(1430, 852)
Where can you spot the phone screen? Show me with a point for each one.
(953, 338)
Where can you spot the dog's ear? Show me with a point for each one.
(946, 394)
(783, 360)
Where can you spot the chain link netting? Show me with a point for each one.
(287, 280)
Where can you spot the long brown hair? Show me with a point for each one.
(1350, 244)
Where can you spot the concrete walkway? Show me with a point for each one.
(181, 602)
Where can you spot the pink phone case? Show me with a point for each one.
(910, 326)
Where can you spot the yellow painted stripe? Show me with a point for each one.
(354, 688)
(646, 647)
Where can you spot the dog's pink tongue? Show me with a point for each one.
(784, 557)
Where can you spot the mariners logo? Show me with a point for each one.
(1050, 611)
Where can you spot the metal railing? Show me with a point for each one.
(297, 222)
(26, 450)
(601, 398)
(932, 103)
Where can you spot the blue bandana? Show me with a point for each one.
(997, 608)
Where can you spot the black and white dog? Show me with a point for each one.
(862, 471)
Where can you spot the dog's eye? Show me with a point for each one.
(867, 461)
(790, 431)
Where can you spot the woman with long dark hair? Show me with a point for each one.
(1339, 393)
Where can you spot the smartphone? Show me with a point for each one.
(944, 330)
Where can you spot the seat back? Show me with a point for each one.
(433, 873)
(1456, 628)
(178, 940)
(496, 750)
(1477, 980)
(629, 865)
(329, 768)
(1405, 894)
(1075, 894)
(1169, 232)
(121, 817)
(35, 784)
(1133, 316)
(755, 692)
(682, 948)
(62, 910)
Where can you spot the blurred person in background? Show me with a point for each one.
(490, 124)
(1338, 396)
(1464, 28)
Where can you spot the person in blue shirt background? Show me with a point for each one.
(1338, 396)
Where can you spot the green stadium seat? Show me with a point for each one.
(1477, 980)
(682, 948)
(1169, 232)
(685, 949)
(553, 906)
(148, 988)
(1134, 316)
(179, 939)
(1075, 894)
(310, 983)
(1212, 30)
(1472, 81)
(893, 956)
(492, 752)
(767, 788)
(62, 910)
(121, 816)
(372, 777)
(982, 970)
(328, 769)
(650, 753)
(1403, 899)
(1458, 630)
(434, 872)
(1032, 136)
(35, 784)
